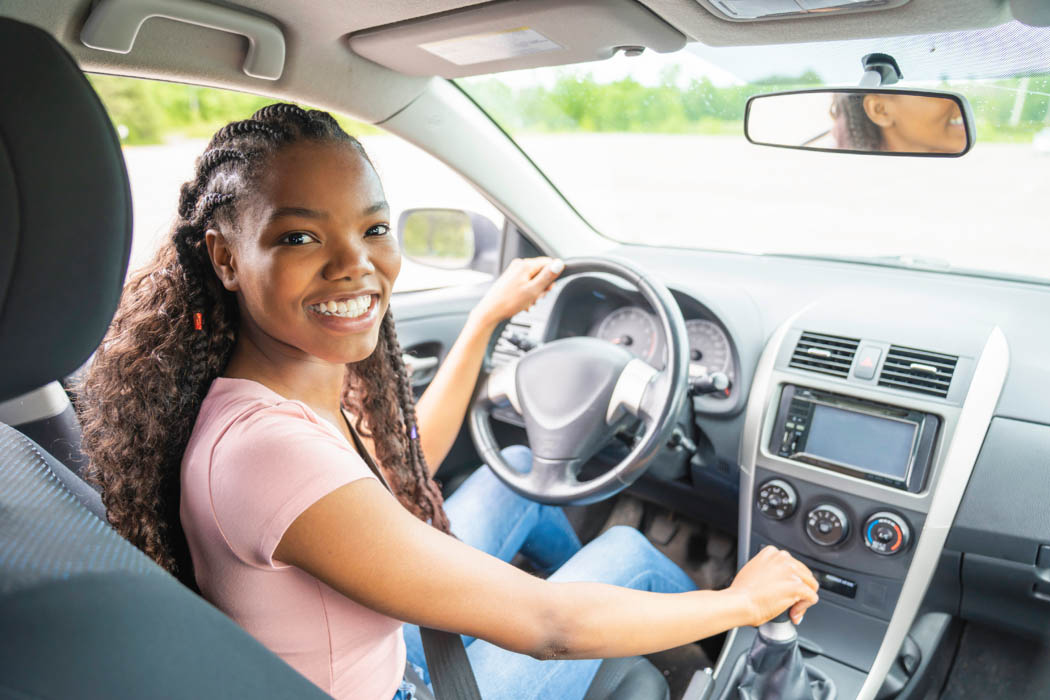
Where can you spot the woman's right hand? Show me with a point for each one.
(772, 582)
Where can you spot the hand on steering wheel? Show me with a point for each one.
(576, 393)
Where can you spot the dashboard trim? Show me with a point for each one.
(976, 415)
(963, 434)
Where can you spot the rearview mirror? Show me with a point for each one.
(879, 121)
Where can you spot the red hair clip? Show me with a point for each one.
(198, 321)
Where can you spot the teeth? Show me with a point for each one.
(346, 308)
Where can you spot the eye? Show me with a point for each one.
(297, 238)
(378, 230)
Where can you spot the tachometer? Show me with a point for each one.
(637, 331)
(709, 350)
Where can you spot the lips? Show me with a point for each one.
(344, 307)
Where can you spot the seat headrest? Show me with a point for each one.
(65, 212)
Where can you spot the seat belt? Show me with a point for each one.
(449, 667)
(450, 671)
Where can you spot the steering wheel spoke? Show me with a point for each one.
(629, 394)
(552, 475)
(501, 385)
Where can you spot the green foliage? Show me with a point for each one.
(149, 111)
(439, 236)
(152, 111)
(1005, 110)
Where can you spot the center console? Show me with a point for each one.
(857, 468)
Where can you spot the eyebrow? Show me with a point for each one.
(307, 213)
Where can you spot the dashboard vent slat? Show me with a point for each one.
(920, 371)
(827, 354)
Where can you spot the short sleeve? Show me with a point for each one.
(271, 465)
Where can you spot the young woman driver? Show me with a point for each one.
(249, 377)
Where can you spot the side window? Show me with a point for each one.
(164, 127)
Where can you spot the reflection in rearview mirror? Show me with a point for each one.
(880, 121)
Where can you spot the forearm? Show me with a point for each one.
(595, 620)
(442, 407)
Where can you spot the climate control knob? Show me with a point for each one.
(886, 533)
(777, 499)
(827, 525)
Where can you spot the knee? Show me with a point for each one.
(519, 457)
(625, 540)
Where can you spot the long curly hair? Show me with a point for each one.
(852, 128)
(140, 397)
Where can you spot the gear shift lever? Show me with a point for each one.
(774, 670)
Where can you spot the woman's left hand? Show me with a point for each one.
(523, 282)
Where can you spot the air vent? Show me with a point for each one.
(827, 354)
(918, 370)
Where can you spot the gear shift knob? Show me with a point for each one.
(779, 629)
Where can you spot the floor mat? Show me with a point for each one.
(996, 664)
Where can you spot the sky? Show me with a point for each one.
(1010, 49)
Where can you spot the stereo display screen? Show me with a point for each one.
(872, 443)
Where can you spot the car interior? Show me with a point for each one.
(880, 414)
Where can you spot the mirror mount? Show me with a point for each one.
(880, 69)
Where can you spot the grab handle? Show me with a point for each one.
(113, 26)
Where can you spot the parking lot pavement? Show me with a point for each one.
(985, 210)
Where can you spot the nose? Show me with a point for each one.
(348, 259)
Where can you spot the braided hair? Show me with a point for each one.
(852, 128)
(174, 333)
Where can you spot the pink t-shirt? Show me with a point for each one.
(254, 463)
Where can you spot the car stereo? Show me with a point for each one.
(886, 444)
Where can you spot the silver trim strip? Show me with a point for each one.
(630, 389)
(758, 403)
(502, 383)
(974, 418)
(39, 404)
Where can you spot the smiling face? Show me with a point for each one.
(916, 123)
(313, 257)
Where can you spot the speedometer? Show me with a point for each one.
(708, 349)
(635, 330)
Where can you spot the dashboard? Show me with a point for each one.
(897, 448)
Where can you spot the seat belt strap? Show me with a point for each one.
(449, 667)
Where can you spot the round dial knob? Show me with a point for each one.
(886, 533)
(827, 525)
(776, 499)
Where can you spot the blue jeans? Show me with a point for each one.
(487, 515)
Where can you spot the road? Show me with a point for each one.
(986, 210)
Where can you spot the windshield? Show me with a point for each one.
(650, 150)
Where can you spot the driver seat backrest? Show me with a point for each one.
(85, 614)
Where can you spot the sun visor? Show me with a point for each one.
(513, 35)
(756, 10)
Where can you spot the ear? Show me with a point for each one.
(222, 259)
(878, 109)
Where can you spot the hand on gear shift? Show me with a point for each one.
(774, 581)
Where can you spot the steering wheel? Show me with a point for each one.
(576, 393)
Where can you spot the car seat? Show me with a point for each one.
(86, 614)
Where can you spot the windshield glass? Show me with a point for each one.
(650, 150)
